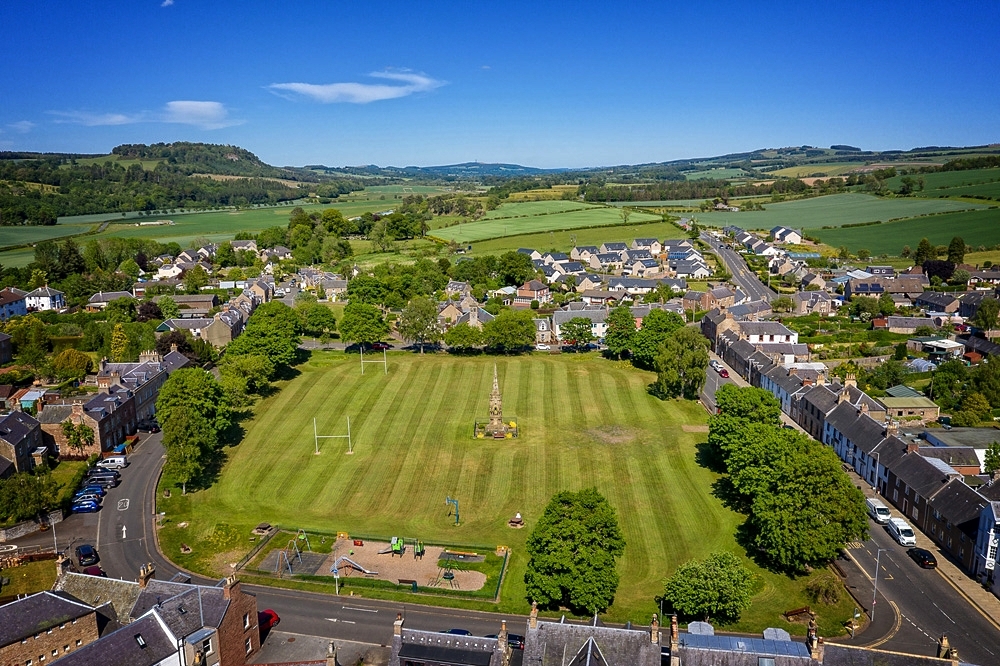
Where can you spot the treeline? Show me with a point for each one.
(688, 189)
(211, 158)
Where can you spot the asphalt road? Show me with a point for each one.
(737, 267)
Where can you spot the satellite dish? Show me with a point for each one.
(701, 629)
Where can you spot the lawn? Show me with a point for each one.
(834, 210)
(29, 578)
(563, 241)
(538, 216)
(584, 421)
(979, 227)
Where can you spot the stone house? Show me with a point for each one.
(12, 303)
(532, 290)
(20, 435)
(44, 627)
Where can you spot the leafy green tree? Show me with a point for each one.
(956, 250)
(864, 307)
(782, 304)
(991, 461)
(121, 310)
(148, 311)
(886, 306)
(572, 551)
(242, 375)
(195, 279)
(169, 308)
(514, 268)
(719, 588)
(680, 364)
(119, 344)
(362, 323)
(189, 439)
(72, 364)
(948, 384)
(987, 314)
(79, 436)
(578, 332)
(925, 251)
(510, 332)
(739, 411)
(316, 319)
(960, 277)
(419, 322)
(620, 333)
(130, 268)
(366, 289)
(271, 331)
(197, 390)
(463, 338)
(986, 380)
(657, 327)
(27, 495)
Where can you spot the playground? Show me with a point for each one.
(376, 559)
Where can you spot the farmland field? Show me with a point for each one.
(539, 216)
(973, 182)
(563, 241)
(716, 174)
(584, 421)
(805, 170)
(980, 227)
(834, 210)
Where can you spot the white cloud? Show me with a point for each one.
(206, 115)
(362, 93)
(22, 126)
(166, 3)
(96, 119)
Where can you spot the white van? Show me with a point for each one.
(113, 462)
(878, 511)
(902, 532)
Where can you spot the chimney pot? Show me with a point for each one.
(533, 616)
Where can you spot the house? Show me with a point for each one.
(45, 298)
(279, 252)
(46, 626)
(881, 271)
(588, 281)
(911, 482)
(100, 300)
(616, 248)
(12, 303)
(786, 235)
(935, 301)
(689, 270)
(910, 286)
(904, 325)
(543, 331)
(597, 317)
(809, 302)
(651, 244)
(598, 297)
(756, 332)
(535, 255)
(262, 290)
(553, 258)
(644, 267)
(191, 305)
(411, 647)
(549, 643)
(532, 290)
(244, 246)
(20, 436)
(916, 408)
(457, 288)
(812, 280)
(583, 253)
(6, 349)
(606, 261)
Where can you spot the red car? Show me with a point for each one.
(724, 373)
(380, 345)
(267, 620)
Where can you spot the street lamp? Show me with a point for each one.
(878, 555)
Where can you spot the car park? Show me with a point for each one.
(923, 557)
(85, 507)
(86, 555)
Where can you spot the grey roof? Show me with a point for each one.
(420, 646)
(609, 257)
(702, 650)
(108, 296)
(936, 298)
(39, 612)
(46, 291)
(55, 413)
(550, 643)
(862, 430)
(16, 426)
(958, 503)
(846, 655)
(213, 604)
(142, 643)
(745, 311)
(901, 391)
(822, 398)
(765, 328)
(921, 474)
(96, 590)
(562, 316)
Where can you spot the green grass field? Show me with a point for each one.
(584, 421)
(979, 227)
(720, 173)
(563, 241)
(834, 210)
(534, 221)
(806, 170)
(973, 182)
(509, 211)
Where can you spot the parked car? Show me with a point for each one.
(85, 507)
(516, 641)
(148, 426)
(922, 557)
(95, 571)
(104, 481)
(542, 347)
(95, 489)
(457, 632)
(86, 497)
(105, 473)
(86, 555)
(267, 620)
(724, 373)
(715, 365)
(381, 345)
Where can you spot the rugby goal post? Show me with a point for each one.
(384, 361)
(317, 437)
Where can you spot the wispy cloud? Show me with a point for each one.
(361, 93)
(206, 115)
(22, 126)
(166, 3)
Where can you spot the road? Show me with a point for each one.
(737, 267)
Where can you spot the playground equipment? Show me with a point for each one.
(302, 536)
(449, 500)
(445, 576)
(347, 563)
(397, 546)
(418, 549)
(283, 557)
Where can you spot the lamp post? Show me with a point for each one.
(878, 556)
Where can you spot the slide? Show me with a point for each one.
(385, 551)
(335, 569)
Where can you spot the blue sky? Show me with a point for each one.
(540, 84)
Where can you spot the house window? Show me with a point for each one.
(55, 653)
(206, 646)
(65, 648)
(248, 645)
(246, 621)
(765, 661)
(78, 642)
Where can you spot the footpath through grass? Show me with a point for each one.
(584, 421)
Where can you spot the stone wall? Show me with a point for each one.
(29, 526)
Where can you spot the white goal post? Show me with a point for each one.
(317, 437)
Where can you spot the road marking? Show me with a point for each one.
(122, 504)
(968, 599)
(333, 619)
(895, 629)
(363, 610)
(123, 532)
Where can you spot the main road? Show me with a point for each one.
(737, 267)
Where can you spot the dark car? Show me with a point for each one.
(96, 489)
(95, 571)
(381, 345)
(103, 481)
(922, 557)
(86, 555)
(515, 641)
(148, 426)
(724, 373)
(85, 507)
(457, 632)
(267, 620)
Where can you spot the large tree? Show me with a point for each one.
(463, 338)
(719, 588)
(169, 308)
(121, 310)
(317, 319)
(657, 326)
(514, 268)
(987, 314)
(948, 384)
(620, 333)
(419, 322)
(956, 250)
(680, 364)
(71, 364)
(79, 436)
(578, 332)
(572, 551)
(510, 332)
(362, 323)
(189, 440)
(119, 344)
(271, 331)
(924, 252)
(195, 389)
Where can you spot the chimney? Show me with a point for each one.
(654, 630)
(821, 379)
(533, 616)
(913, 447)
(231, 588)
(792, 372)
(842, 396)
(77, 412)
(944, 646)
(863, 409)
(173, 347)
(62, 564)
(675, 639)
(397, 626)
(145, 574)
(851, 380)
(331, 654)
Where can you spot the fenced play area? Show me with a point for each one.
(407, 564)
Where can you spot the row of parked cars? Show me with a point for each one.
(900, 531)
(95, 484)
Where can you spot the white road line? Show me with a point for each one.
(363, 610)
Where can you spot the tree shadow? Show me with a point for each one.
(725, 492)
(286, 372)
(210, 472)
(708, 456)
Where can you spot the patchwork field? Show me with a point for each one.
(513, 219)
(834, 210)
(973, 182)
(584, 421)
(563, 241)
(979, 227)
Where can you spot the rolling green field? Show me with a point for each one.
(20, 235)
(584, 421)
(973, 182)
(805, 170)
(534, 221)
(509, 211)
(563, 241)
(716, 174)
(979, 227)
(834, 210)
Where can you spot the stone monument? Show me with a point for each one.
(495, 427)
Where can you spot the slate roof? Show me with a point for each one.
(16, 426)
(551, 642)
(54, 414)
(420, 646)
(746, 311)
(821, 397)
(699, 650)
(145, 642)
(765, 328)
(936, 299)
(560, 317)
(39, 612)
(921, 474)
(213, 604)
(959, 503)
(95, 590)
(108, 296)
(862, 430)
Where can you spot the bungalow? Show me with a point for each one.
(532, 290)
(935, 301)
(609, 298)
(12, 303)
(45, 298)
(100, 300)
(911, 408)
(903, 325)
(689, 270)
(554, 258)
(786, 235)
